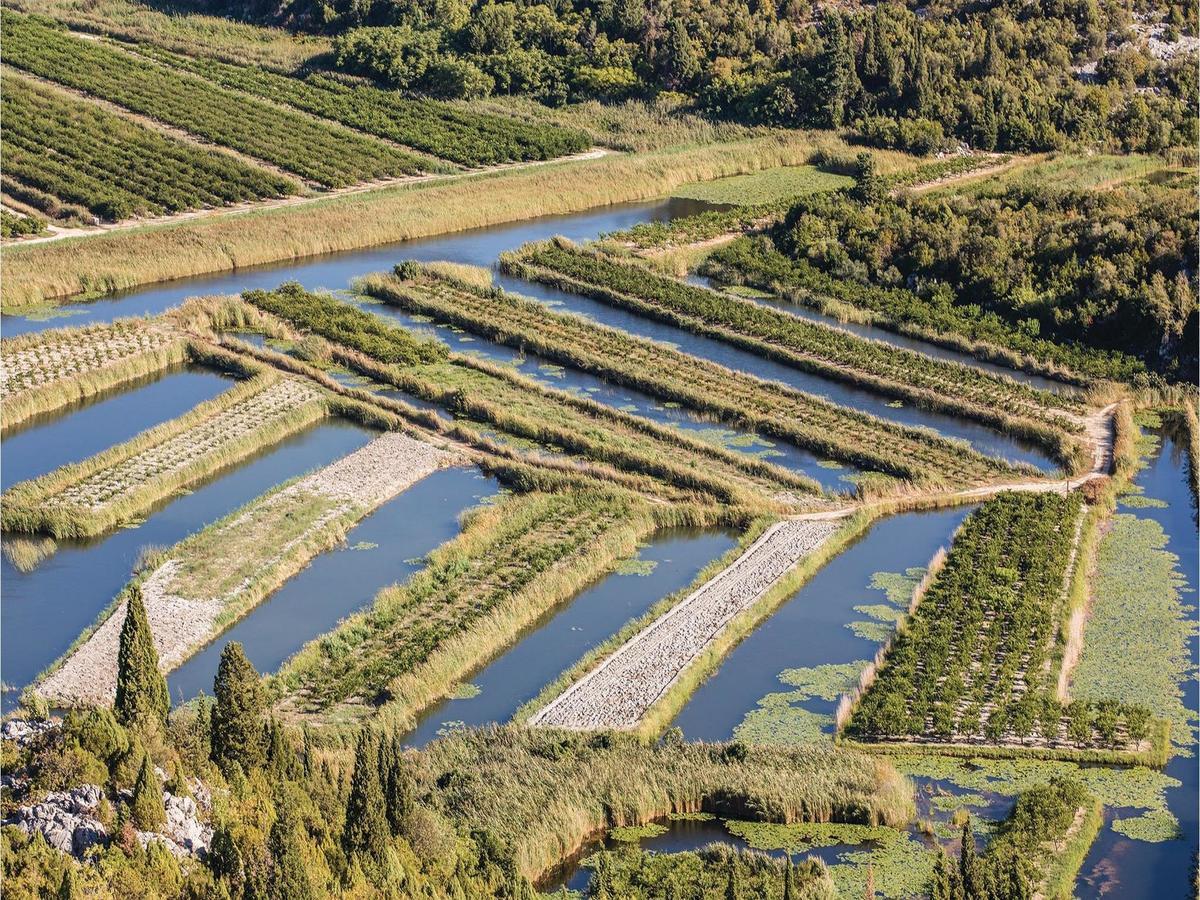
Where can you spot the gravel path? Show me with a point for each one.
(626, 685)
(361, 481)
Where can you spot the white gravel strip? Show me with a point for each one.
(618, 693)
(364, 479)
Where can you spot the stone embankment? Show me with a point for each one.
(182, 620)
(619, 692)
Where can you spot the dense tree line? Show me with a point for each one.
(1011, 75)
(1112, 269)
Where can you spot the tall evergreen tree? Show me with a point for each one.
(731, 886)
(147, 801)
(142, 697)
(787, 880)
(969, 868)
(993, 58)
(679, 64)
(66, 887)
(840, 80)
(366, 831)
(225, 860)
(947, 882)
(289, 877)
(919, 73)
(399, 786)
(237, 728)
(281, 755)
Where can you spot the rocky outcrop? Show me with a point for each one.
(65, 819)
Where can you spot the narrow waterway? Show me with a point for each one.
(814, 628)
(668, 563)
(47, 608)
(383, 549)
(333, 271)
(71, 434)
(981, 437)
(1118, 865)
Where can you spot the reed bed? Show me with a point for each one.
(48, 370)
(122, 483)
(997, 401)
(737, 399)
(512, 562)
(544, 792)
(38, 273)
(198, 588)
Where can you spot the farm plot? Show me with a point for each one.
(513, 562)
(496, 395)
(435, 127)
(125, 481)
(619, 692)
(737, 399)
(209, 580)
(61, 149)
(975, 663)
(322, 152)
(49, 369)
(890, 371)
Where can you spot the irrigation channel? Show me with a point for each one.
(668, 563)
(48, 607)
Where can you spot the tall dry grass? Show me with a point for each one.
(124, 258)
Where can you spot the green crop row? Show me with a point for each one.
(913, 377)
(733, 397)
(347, 325)
(322, 152)
(435, 127)
(80, 153)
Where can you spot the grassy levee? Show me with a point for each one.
(1062, 869)
(549, 791)
(1039, 416)
(511, 563)
(51, 369)
(209, 580)
(740, 400)
(38, 273)
(122, 483)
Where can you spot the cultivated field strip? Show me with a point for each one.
(123, 482)
(735, 398)
(622, 689)
(46, 370)
(513, 561)
(976, 661)
(59, 147)
(322, 152)
(814, 347)
(213, 578)
(441, 129)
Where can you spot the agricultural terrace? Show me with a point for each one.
(735, 398)
(47, 370)
(902, 374)
(975, 662)
(513, 561)
(124, 482)
(495, 395)
(620, 691)
(200, 587)
(320, 152)
(68, 157)
(440, 129)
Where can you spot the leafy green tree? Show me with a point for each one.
(237, 728)
(366, 831)
(142, 697)
(147, 801)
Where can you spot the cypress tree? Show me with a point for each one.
(787, 880)
(968, 866)
(399, 787)
(680, 66)
(731, 888)
(840, 82)
(281, 755)
(947, 882)
(366, 830)
(289, 878)
(66, 887)
(237, 730)
(142, 697)
(147, 801)
(225, 860)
